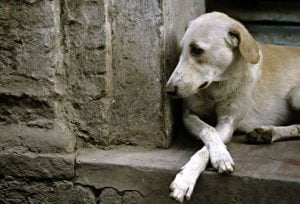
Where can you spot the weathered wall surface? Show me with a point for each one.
(144, 52)
(32, 85)
(137, 86)
(87, 59)
(19, 191)
(88, 71)
(81, 73)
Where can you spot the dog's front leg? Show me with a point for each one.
(212, 138)
(183, 185)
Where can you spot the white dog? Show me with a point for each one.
(223, 73)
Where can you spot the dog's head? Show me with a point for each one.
(210, 45)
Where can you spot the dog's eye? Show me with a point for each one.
(196, 50)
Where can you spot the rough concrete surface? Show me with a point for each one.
(97, 68)
(86, 47)
(31, 89)
(136, 50)
(142, 60)
(61, 192)
(79, 73)
(36, 139)
(113, 196)
(115, 55)
(37, 166)
(263, 173)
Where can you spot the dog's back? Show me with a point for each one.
(280, 73)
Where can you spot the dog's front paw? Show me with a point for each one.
(221, 159)
(182, 187)
(262, 135)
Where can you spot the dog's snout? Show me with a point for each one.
(171, 90)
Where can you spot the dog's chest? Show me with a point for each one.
(200, 104)
(204, 102)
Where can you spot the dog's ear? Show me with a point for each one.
(239, 36)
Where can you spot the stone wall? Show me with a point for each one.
(32, 88)
(82, 73)
(88, 72)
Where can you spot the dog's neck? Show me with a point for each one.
(237, 80)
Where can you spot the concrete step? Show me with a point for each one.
(280, 11)
(273, 34)
(274, 22)
(263, 174)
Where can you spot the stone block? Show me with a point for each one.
(38, 14)
(261, 174)
(37, 166)
(86, 62)
(60, 192)
(96, 68)
(112, 196)
(137, 108)
(140, 48)
(146, 171)
(115, 61)
(30, 59)
(16, 109)
(132, 197)
(36, 138)
(32, 85)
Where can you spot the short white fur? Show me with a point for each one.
(242, 93)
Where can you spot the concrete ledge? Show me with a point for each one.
(264, 173)
(37, 166)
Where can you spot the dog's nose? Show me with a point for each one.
(171, 90)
